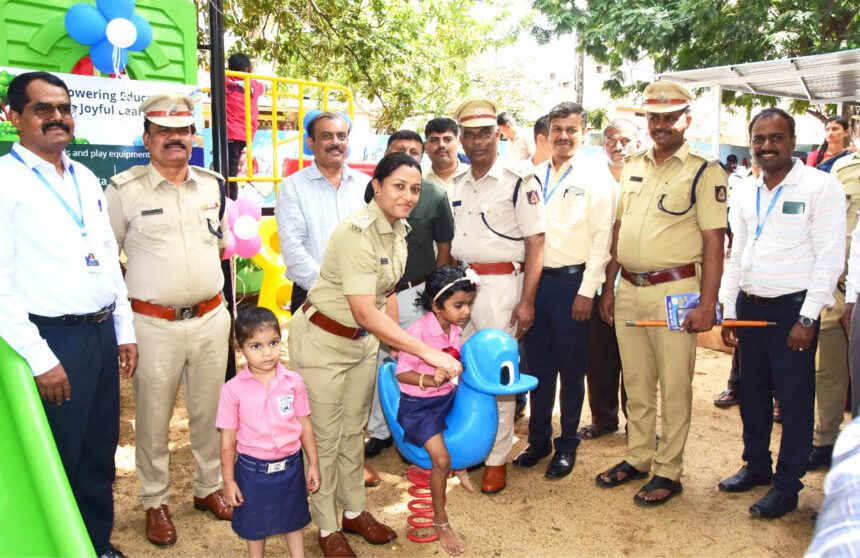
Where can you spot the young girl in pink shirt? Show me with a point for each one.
(427, 393)
(264, 416)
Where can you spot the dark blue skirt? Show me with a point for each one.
(275, 503)
(423, 417)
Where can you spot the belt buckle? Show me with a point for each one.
(641, 280)
(276, 467)
(187, 312)
(102, 315)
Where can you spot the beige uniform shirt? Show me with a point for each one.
(660, 227)
(522, 147)
(447, 185)
(579, 218)
(847, 170)
(366, 255)
(173, 258)
(484, 211)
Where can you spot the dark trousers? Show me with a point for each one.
(603, 371)
(298, 298)
(770, 366)
(556, 345)
(86, 428)
(734, 383)
(234, 153)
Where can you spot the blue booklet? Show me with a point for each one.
(678, 305)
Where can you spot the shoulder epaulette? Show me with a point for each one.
(118, 180)
(207, 171)
(360, 223)
(519, 171)
(639, 153)
(711, 160)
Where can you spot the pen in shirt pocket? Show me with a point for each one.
(100, 205)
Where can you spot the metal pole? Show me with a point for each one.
(219, 146)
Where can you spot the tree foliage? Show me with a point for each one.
(408, 57)
(689, 34)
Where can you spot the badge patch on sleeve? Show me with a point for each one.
(720, 193)
(532, 197)
(285, 404)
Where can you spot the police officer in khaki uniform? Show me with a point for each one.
(335, 337)
(165, 216)
(668, 239)
(831, 373)
(499, 232)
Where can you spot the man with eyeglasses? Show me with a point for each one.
(63, 304)
(166, 218)
(579, 219)
(442, 144)
(499, 233)
(668, 240)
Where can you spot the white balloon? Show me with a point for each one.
(121, 32)
(245, 227)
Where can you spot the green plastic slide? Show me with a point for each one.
(40, 516)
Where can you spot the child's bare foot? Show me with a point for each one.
(465, 482)
(449, 539)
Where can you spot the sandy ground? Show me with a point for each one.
(533, 516)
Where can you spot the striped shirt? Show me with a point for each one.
(801, 245)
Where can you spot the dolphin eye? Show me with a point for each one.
(506, 373)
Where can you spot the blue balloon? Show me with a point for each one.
(144, 33)
(102, 56)
(490, 368)
(85, 24)
(116, 8)
(310, 115)
(345, 116)
(305, 148)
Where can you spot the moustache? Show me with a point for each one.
(334, 150)
(174, 144)
(761, 153)
(441, 151)
(61, 125)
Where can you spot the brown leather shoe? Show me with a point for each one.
(159, 526)
(494, 479)
(215, 503)
(371, 477)
(365, 525)
(335, 546)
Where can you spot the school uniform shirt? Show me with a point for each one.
(43, 256)
(801, 245)
(266, 420)
(428, 330)
(579, 218)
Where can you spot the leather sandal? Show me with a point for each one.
(630, 472)
(659, 483)
(727, 398)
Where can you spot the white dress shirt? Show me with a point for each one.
(307, 211)
(852, 284)
(43, 268)
(802, 242)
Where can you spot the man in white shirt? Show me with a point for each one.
(63, 303)
(787, 254)
(442, 137)
(522, 145)
(314, 200)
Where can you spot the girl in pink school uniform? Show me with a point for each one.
(427, 393)
(264, 416)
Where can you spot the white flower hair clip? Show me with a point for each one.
(473, 277)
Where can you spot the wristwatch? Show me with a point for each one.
(806, 322)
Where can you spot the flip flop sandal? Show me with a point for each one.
(623, 467)
(727, 399)
(658, 483)
(591, 432)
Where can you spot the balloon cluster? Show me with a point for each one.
(110, 29)
(243, 238)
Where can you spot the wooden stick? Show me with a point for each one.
(728, 323)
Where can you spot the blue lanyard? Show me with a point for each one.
(78, 219)
(759, 226)
(548, 194)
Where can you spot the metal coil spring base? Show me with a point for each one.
(421, 506)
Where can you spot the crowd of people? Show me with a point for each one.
(557, 249)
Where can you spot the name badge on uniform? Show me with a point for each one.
(92, 263)
(635, 179)
(793, 207)
(383, 261)
(285, 405)
(456, 203)
(276, 467)
(148, 212)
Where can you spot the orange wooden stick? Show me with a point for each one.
(729, 323)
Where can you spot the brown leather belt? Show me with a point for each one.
(501, 268)
(174, 313)
(332, 326)
(403, 285)
(649, 278)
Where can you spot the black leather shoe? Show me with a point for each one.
(820, 456)
(774, 505)
(531, 455)
(745, 480)
(113, 552)
(374, 446)
(561, 464)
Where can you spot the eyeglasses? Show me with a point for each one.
(47, 110)
(613, 141)
(483, 133)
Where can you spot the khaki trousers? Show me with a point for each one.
(652, 357)
(193, 352)
(339, 376)
(497, 297)
(831, 375)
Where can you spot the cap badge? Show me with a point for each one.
(173, 110)
(661, 97)
(479, 111)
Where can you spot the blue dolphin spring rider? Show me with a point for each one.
(490, 368)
